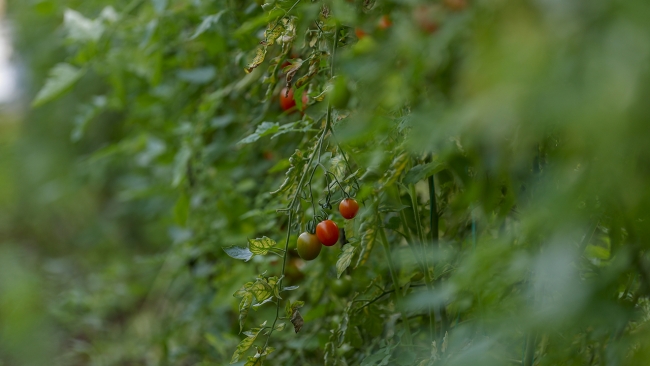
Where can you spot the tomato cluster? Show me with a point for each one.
(327, 232)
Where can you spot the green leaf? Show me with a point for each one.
(298, 163)
(244, 345)
(396, 169)
(368, 239)
(60, 79)
(181, 160)
(80, 28)
(207, 22)
(344, 259)
(265, 128)
(239, 253)
(420, 172)
(261, 246)
(244, 306)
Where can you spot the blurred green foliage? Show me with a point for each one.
(500, 149)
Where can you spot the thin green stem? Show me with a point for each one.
(391, 269)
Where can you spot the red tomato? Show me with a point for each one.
(425, 17)
(360, 33)
(308, 246)
(384, 22)
(327, 232)
(287, 102)
(349, 208)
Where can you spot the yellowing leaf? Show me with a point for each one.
(344, 259)
(259, 58)
(368, 239)
(261, 246)
(244, 345)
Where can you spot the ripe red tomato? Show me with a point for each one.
(327, 232)
(349, 208)
(287, 102)
(384, 22)
(308, 246)
(360, 33)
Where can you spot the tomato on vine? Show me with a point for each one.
(349, 208)
(308, 246)
(327, 232)
(287, 101)
(342, 286)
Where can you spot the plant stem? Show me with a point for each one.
(391, 269)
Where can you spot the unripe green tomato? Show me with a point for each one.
(340, 94)
(308, 246)
(342, 286)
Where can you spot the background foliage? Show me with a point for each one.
(154, 139)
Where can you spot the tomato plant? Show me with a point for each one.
(327, 232)
(308, 246)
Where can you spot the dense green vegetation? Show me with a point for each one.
(155, 184)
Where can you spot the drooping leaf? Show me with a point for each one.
(297, 321)
(260, 54)
(368, 238)
(60, 79)
(261, 246)
(344, 259)
(244, 306)
(244, 345)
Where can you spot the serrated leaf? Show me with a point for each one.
(344, 259)
(207, 22)
(260, 54)
(239, 253)
(261, 246)
(368, 239)
(244, 306)
(60, 79)
(290, 307)
(243, 346)
(420, 172)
